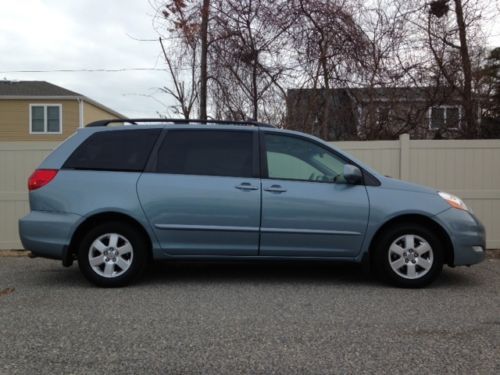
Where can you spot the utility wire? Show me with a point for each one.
(111, 70)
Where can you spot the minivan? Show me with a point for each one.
(116, 197)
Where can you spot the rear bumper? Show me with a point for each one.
(47, 234)
(467, 235)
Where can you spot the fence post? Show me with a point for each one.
(404, 161)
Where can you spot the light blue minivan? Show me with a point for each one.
(115, 197)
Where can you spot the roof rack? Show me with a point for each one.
(136, 121)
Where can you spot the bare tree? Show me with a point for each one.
(470, 114)
(185, 88)
(246, 55)
(431, 48)
(328, 44)
(188, 26)
(205, 9)
(453, 35)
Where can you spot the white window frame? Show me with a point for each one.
(45, 119)
(445, 107)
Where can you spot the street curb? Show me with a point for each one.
(493, 254)
(14, 253)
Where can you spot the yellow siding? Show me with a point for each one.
(15, 114)
(92, 113)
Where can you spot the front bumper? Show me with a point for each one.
(47, 234)
(467, 236)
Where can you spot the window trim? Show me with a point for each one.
(45, 118)
(367, 179)
(445, 107)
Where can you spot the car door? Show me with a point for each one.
(308, 209)
(203, 195)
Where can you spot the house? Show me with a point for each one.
(42, 111)
(377, 113)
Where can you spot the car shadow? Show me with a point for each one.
(310, 273)
(453, 277)
(342, 274)
(256, 272)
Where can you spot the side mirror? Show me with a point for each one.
(352, 174)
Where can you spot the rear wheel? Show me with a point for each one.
(409, 255)
(112, 254)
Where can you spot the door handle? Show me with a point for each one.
(275, 189)
(246, 186)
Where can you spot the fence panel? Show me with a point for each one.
(17, 162)
(467, 168)
(384, 156)
(470, 169)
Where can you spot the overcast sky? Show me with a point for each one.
(92, 34)
(86, 34)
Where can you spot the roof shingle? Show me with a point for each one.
(33, 88)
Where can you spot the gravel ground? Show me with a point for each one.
(247, 318)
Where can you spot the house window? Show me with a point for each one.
(45, 118)
(445, 117)
(384, 114)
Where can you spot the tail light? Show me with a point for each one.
(40, 178)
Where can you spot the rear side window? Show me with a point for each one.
(207, 152)
(124, 150)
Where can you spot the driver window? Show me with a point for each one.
(292, 158)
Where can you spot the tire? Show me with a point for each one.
(409, 256)
(112, 254)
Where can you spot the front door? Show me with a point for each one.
(308, 210)
(204, 197)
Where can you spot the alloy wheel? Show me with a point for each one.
(111, 255)
(411, 256)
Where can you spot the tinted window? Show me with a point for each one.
(292, 158)
(452, 117)
(209, 152)
(124, 150)
(437, 118)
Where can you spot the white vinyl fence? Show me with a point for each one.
(17, 161)
(470, 169)
(467, 168)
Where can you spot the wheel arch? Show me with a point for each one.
(96, 219)
(416, 219)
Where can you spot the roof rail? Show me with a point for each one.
(136, 121)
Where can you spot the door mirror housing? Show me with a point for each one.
(352, 174)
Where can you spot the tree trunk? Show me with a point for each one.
(255, 98)
(203, 62)
(470, 130)
(325, 131)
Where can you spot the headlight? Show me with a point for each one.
(453, 201)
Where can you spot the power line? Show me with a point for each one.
(111, 70)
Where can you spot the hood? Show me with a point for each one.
(393, 183)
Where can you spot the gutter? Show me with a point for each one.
(80, 112)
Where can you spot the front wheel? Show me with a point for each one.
(409, 255)
(112, 254)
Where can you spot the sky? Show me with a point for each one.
(87, 34)
(93, 34)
